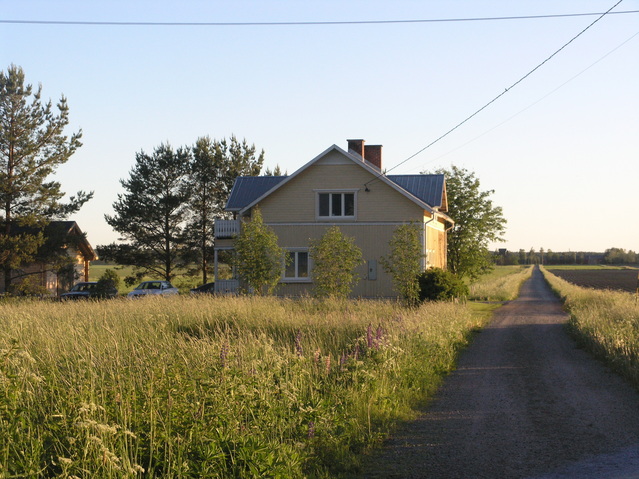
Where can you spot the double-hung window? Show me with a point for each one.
(297, 266)
(336, 205)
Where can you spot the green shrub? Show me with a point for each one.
(435, 284)
(109, 281)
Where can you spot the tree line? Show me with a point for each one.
(170, 202)
(611, 256)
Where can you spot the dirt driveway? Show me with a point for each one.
(524, 402)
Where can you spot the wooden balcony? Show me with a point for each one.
(227, 228)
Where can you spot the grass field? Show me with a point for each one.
(502, 284)
(215, 386)
(619, 278)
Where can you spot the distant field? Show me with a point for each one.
(623, 279)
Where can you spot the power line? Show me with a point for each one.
(468, 118)
(538, 100)
(298, 23)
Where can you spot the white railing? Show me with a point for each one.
(227, 228)
(227, 286)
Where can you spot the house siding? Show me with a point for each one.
(296, 201)
(291, 211)
(371, 239)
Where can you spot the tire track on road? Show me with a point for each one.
(524, 401)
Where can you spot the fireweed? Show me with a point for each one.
(214, 387)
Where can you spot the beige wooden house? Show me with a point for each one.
(347, 188)
(47, 276)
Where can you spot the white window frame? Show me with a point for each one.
(332, 217)
(297, 278)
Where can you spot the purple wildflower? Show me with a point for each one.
(369, 336)
(224, 351)
(311, 430)
(342, 360)
(298, 343)
(378, 336)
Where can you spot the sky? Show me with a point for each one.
(560, 149)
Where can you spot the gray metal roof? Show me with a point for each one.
(247, 189)
(428, 188)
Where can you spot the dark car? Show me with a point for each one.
(88, 290)
(205, 288)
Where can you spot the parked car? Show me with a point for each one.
(88, 289)
(157, 288)
(205, 288)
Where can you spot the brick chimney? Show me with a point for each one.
(373, 154)
(356, 146)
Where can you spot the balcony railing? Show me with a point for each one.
(227, 228)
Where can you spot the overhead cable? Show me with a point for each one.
(468, 118)
(299, 23)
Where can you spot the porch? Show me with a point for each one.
(226, 228)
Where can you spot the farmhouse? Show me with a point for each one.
(347, 188)
(63, 259)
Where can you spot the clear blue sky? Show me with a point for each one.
(561, 149)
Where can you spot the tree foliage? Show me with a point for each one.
(213, 169)
(619, 256)
(32, 146)
(109, 281)
(258, 257)
(335, 257)
(151, 213)
(404, 262)
(477, 223)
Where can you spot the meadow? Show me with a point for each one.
(209, 386)
(501, 284)
(605, 322)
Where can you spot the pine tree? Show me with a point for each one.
(32, 146)
(151, 214)
(214, 167)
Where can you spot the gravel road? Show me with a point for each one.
(525, 402)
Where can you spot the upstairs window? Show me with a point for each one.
(336, 205)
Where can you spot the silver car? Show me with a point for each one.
(155, 288)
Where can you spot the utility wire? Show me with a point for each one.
(537, 101)
(279, 24)
(468, 118)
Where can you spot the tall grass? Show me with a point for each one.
(213, 387)
(605, 322)
(503, 284)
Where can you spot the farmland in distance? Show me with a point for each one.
(622, 279)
